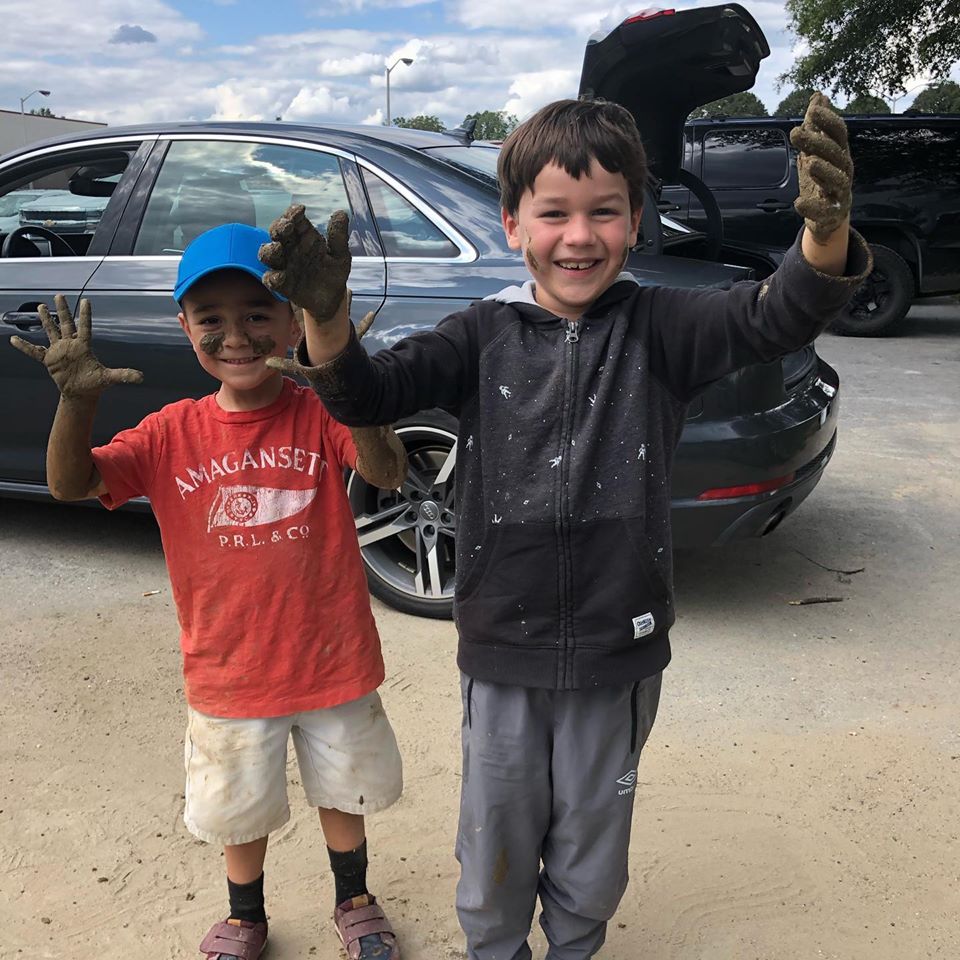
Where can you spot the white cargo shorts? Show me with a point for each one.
(236, 768)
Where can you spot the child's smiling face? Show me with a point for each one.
(574, 234)
(234, 323)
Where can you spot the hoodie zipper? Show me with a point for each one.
(565, 667)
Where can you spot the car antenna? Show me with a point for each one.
(464, 133)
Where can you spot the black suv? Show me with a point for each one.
(906, 200)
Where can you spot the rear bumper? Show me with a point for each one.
(796, 438)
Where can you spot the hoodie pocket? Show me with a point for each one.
(473, 576)
(511, 594)
(621, 598)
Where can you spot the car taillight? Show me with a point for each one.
(649, 14)
(746, 489)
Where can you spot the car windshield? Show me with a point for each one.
(479, 160)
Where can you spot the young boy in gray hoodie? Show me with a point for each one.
(571, 394)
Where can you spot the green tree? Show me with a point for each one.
(743, 104)
(42, 112)
(419, 122)
(794, 104)
(942, 97)
(862, 45)
(492, 124)
(866, 103)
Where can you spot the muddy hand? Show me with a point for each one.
(308, 268)
(381, 457)
(825, 169)
(293, 368)
(69, 359)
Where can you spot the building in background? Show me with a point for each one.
(17, 129)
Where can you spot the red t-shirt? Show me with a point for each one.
(261, 549)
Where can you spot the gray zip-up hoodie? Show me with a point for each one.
(566, 440)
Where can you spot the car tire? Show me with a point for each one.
(407, 535)
(883, 299)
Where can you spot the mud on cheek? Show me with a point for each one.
(212, 343)
(262, 346)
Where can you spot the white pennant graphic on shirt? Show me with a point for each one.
(245, 505)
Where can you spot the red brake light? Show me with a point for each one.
(746, 489)
(649, 14)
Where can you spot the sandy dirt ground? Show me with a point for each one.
(798, 797)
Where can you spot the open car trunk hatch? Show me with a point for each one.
(661, 64)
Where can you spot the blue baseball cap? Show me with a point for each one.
(231, 246)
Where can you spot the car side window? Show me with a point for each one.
(202, 184)
(755, 157)
(63, 196)
(904, 156)
(405, 231)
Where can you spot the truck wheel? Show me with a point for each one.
(883, 299)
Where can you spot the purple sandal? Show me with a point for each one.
(231, 939)
(364, 931)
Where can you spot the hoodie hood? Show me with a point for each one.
(524, 296)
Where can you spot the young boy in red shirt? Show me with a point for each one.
(277, 633)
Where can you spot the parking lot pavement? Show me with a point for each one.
(797, 799)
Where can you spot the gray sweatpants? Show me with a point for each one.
(548, 778)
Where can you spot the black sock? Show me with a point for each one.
(246, 900)
(349, 872)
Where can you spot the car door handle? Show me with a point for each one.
(666, 207)
(22, 319)
(771, 206)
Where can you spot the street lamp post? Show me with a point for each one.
(23, 116)
(407, 61)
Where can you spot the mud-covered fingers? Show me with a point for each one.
(116, 375)
(285, 365)
(814, 143)
(821, 116)
(32, 350)
(835, 184)
(85, 321)
(818, 210)
(64, 316)
(381, 457)
(49, 327)
(273, 255)
(275, 280)
(365, 324)
(285, 225)
(338, 234)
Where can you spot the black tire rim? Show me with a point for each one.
(871, 297)
(407, 536)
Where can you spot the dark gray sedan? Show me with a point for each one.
(426, 240)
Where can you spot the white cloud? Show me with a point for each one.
(510, 56)
(318, 103)
(530, 91)
(332, 8)
(236, 99)
(56, 25)
(360, 64)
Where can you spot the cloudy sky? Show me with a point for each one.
(128, 61)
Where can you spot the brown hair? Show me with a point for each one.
(571, 134)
